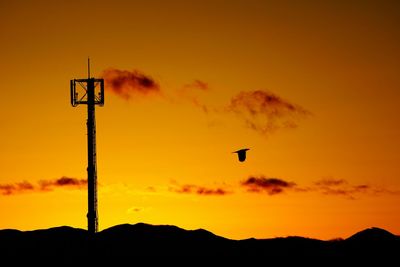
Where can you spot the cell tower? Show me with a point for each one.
(90, 92)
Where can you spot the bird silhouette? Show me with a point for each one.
(241, 154)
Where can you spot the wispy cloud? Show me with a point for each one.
(197, 85)
(340, 187)
(265, 112)
(199, 190)
(272, 186)
(42, 185)
(261, 110)
(66, 182)
(326, 186)
(136, 209)
(10, 189)
(128, 84)
(329, 182)
(190, 92)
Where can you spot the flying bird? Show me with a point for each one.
(241, 154)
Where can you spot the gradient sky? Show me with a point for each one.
(324, 149)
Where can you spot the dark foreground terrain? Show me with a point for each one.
(149, 245)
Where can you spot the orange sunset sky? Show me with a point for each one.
(311, 87)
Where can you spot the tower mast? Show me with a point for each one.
(91, 99)
(91, 168)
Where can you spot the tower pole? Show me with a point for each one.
(91, 98)
(91, 169)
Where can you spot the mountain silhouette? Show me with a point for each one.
(129, 245)
(371, 235)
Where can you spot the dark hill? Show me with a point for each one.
(372, 243)
(171, 246)
(372, 235)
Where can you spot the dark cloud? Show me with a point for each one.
(265, 112)
(335, 191)
(43, 185)
(129, 83)
(199, 190)
(63, 182)
(326, 186)
(340, 187)
(262, 111)
(134, 209)
(330, 186)
(361, 187)
(210, 191)
(272, 186)
(7, 189)
(10, 189)
(25, 185)
(330, 182)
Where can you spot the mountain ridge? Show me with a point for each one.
(364, 234)
(169, 244)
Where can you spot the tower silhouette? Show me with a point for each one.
(90, 98)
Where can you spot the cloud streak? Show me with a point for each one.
(261, 110)
(329, 182)
(199, 190)
(190, 92)
(42, 185)
(10, 189)
(128, 84)
(340, 187)
(197, 84)
(271, 186)
(326, 186)
(63, 182)
(265, 112)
